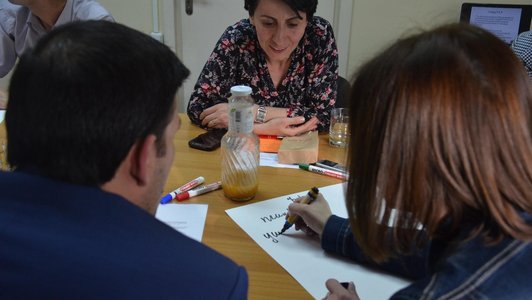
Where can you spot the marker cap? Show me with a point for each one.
(166, 199)
(304, 167)
(182, 196)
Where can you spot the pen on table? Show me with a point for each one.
(187, 186)
(198, 191)
(323, 171)
(290, 220)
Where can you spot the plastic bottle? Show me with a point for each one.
(240, 148)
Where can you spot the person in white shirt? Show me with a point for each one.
(23, 22)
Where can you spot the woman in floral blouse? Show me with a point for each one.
(287, 56)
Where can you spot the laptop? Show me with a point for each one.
(506, 21)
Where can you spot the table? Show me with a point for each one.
(267, 279)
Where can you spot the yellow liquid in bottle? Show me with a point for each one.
(240, 185)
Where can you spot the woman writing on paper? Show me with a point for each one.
(440, 160)
(286, 55)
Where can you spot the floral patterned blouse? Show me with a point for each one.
(309, 88)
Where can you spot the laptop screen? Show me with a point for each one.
(504, 21)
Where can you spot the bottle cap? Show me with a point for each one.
(240, 90)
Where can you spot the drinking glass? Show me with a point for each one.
(338, 130)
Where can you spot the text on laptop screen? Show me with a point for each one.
(503, 22)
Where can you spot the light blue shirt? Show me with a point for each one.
(20, 28)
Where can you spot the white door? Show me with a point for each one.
(201, 30)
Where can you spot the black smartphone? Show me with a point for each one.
(207, 141)
(331, 165)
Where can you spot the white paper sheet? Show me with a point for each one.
(272, 160)
(302, 256)
(188, 219)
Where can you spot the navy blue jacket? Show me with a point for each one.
(65, 241)
(442, 270)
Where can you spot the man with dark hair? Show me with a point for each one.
(90, 123)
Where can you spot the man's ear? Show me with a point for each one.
(142, 159)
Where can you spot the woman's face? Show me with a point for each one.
(279, 29)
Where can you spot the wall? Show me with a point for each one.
(377, 23)
(133, 13)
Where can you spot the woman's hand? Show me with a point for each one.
(337, 291)
(313, 216)
(286, 126)
(216, 116)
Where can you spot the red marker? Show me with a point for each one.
(323, 171)
(198, 191)
(187, 186)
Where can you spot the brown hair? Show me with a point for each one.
(440, 138)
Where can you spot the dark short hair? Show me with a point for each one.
(440, 138)
(307, 6)
(84, 95)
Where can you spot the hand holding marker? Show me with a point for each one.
(290, 220)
